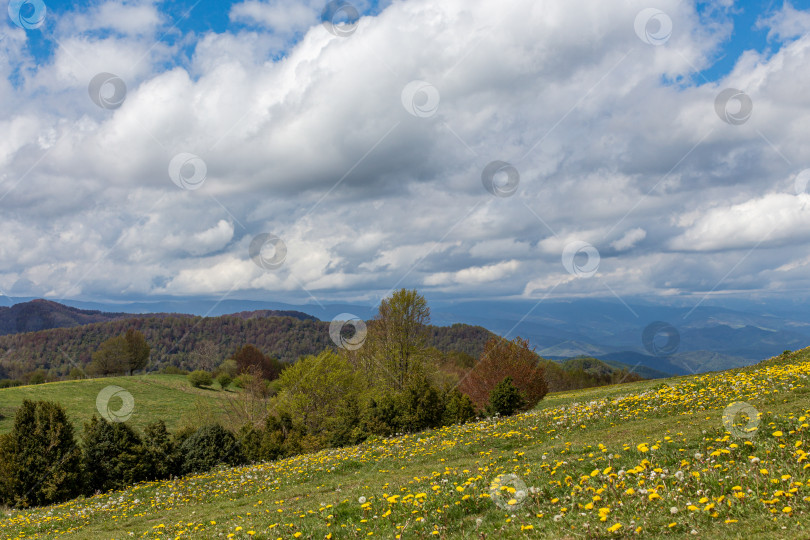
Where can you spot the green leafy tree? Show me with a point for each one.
(46, 462)
(113, 454)
(313, 390)
(111, 358)
(397, 342)
(138, 350)
(505, 399)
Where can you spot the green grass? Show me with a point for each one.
(156, 397)
(575, 447)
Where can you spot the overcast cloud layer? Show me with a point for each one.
(364, 153)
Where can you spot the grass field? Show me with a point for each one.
(166, 397)
(653, 459)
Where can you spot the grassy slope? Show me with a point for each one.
(166, 397)
(563, 451)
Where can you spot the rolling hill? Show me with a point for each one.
(156, 397)
(652, 459)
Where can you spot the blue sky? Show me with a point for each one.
(467, 149)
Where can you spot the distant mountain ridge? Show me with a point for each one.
(40, 314)
(45, 314)
(180, 340)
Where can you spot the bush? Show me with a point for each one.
(173, 370)
(38, 376)
(505, 399)
(113, 454)
(458, 408)
(224, 380)
(200, 378)
(8, 383)
(43, 463)
(77, 373)
(208, 447)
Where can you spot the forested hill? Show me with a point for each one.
(44, 314)
(188, 341)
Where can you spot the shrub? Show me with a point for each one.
(77, 373)
(458, 408)
(250, 441)
(173, 370)
(505, 399)
(208, 447)
(224, 380)
(38, 376)
(113, 455)
(200, 378)
(44, 463)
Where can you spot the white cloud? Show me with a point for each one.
(630, 239)
(314, 145)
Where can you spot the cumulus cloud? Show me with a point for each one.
(320, 140)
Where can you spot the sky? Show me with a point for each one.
(319, 152)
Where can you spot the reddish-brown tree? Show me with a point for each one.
(502, 358)
(249, 358)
